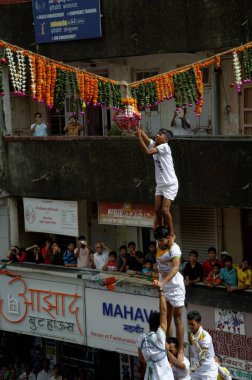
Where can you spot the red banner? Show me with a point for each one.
(127, 214)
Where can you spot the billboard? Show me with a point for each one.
(51, 216)
(43, 305)
(66, 20)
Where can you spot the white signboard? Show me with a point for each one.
(39, 305)
(115, 320)
(51, 216)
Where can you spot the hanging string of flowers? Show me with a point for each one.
(21, 72)
(12, 69)
(237, 71)
(53, 81)
(60, 89)
(1, 80)
(32, 66)
(49, 81)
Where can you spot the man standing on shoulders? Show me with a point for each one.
(168, 261)
(205, 367)
(151, 346)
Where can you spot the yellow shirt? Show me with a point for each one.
(244, 278)
(225, 370)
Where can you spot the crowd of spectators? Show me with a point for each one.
(16, 369)
(212, 272)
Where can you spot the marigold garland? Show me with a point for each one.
(49, 81)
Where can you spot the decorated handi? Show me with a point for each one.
(128, 117)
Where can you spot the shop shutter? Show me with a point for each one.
(198, 230)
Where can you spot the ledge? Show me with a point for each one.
(198, 294)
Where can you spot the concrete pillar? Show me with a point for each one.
(13, 221)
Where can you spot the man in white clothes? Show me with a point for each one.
(151, 345)
(205, 367)
(100, 257)
(168, 261)
(180, 368)
(45, 373)
(166, 179)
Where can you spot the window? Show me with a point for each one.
(246, 111)
(139, 75)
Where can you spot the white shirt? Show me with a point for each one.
(31, 376)
(100, 259)
(164, 168)
(161, 368)
(40, 129)
(182, 374)
(202, 341)
(43, 375)
(164, 263)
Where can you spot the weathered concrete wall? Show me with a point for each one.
(212, 172)
(141, 27)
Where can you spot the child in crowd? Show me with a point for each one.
(112, 263)
(155, 271)
(121, 259)
(147, 269)
(213, 279)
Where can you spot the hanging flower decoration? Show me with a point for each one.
(237, 71)
(2, 61)
(32, 66)
(50, 82)
(21, 72)
(12, 69)
(128, 118)
(246, 63)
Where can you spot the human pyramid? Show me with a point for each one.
(163, 354)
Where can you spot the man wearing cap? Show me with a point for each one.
(171, 280)
(82, 253)
(166, 179)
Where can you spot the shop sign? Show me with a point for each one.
(235, 350)
(66, 20)
(51, 216)
(35, 305)
(126, 214)
(114, 320)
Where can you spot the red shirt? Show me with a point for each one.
(46, 253)
(208, 266)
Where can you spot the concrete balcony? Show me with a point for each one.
(214, 172)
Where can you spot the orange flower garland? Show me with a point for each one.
(53, 80)
(39, 79)
(198, 107)
(48, 85)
